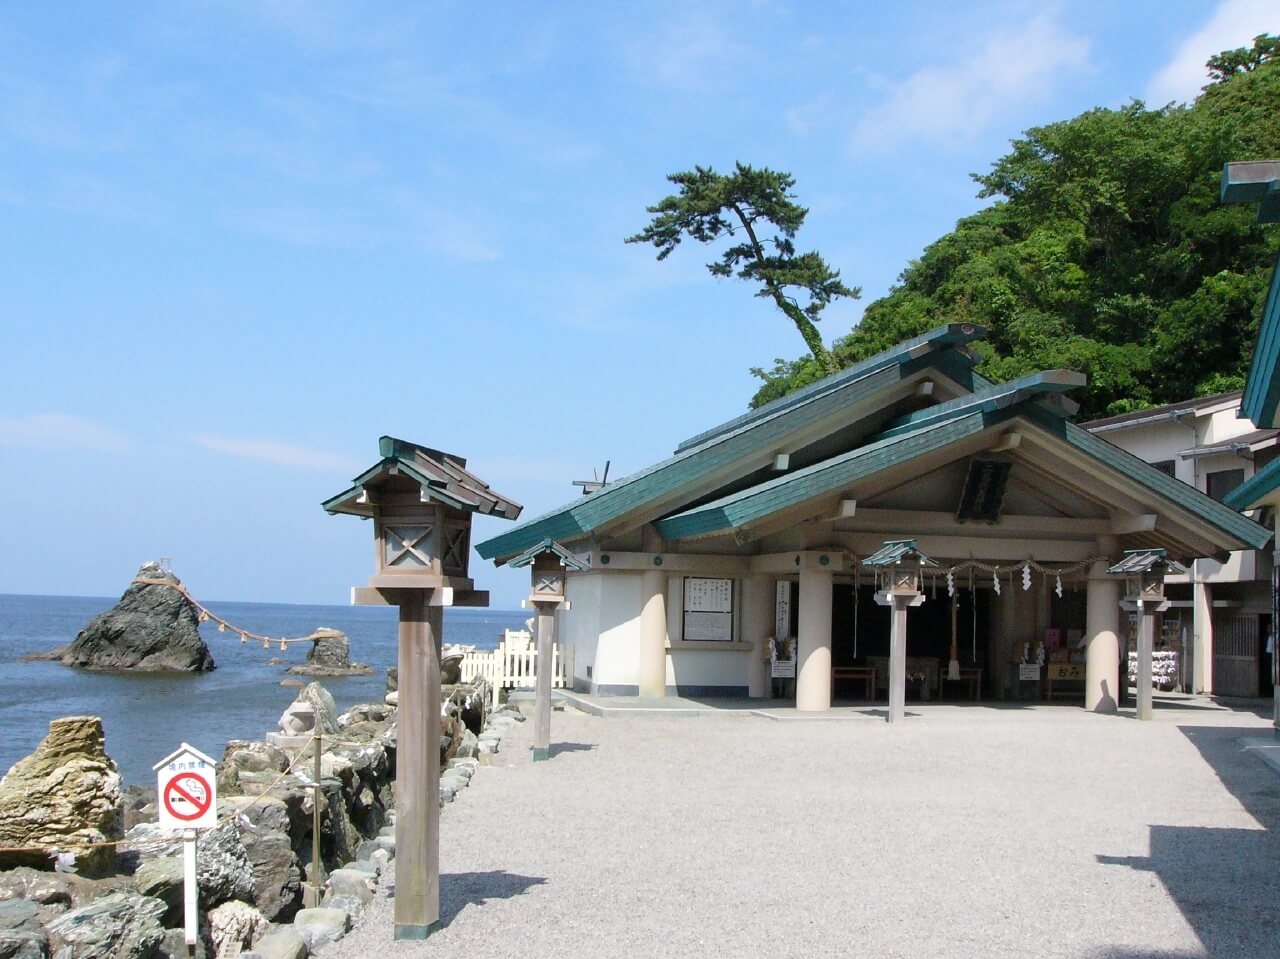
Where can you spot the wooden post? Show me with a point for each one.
(898, 659)
(417, 903)
(1146, 640)
(542, 701)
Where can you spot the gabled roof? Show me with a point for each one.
(1143, 560)
(830, 476)
(894, 551)
(566, 558)
(442, 477)
(732, 446)
(954, 334)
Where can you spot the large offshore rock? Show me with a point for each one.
(21, 935)
(66, 792)
(123, 924)
(330, 655)
(152, 629)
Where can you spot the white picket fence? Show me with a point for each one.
(514, 664)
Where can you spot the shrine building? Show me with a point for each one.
(754, 535)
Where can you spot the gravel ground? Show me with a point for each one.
(965, 832)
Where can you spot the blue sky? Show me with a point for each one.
(240, 241)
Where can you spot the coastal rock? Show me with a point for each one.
(235, 923)
(223, 869)
(326, 710)
(66, 792)
(330, 655)
(44, 888)
(113, 927)
(174, 946)
(321, 926)
(152, 629)
(281, 944)
(161, 878)
(277, 875)
(21, 935)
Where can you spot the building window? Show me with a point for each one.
(1219, 484)
(1165, 467)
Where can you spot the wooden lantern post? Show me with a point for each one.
(1144, 571)
(421, 502)
(549, 563)
(897, 565)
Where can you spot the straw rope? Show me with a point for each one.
(207, 615)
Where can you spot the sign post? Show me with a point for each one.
(187, 788)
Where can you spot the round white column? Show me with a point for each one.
(813, 644)
(758, 597)
(652, 671)
(1102, 635)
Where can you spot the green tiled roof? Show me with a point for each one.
(761, 430)
(443, 477)
(1248, 533)
(821, 479)
(954, 334)
(1248, 493)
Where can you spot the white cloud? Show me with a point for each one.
(695, 51)
(959, 100)
(59, 431)
(283, 454)
(1233, 24)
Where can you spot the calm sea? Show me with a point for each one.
(146, 717)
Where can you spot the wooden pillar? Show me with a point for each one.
(813, 640)
(1102, 638)
(1201, 631)
(1146, 641)
(542, 699)
(417, 901)
(653, 634)
(898, 657)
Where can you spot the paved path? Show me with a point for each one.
(965, 832)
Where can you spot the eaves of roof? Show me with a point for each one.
(1258, 487)
(1245, 531)
(1262, 388)
(954, 334)
(751, 505)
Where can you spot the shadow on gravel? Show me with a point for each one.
(461, 889)
(1224, 881)
(557, 748)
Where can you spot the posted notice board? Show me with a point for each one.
(708, 609)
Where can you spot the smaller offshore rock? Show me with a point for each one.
(64, 794)
(153, 628)
(330, 655)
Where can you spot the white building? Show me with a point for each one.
(1221, 613)
(761, 527)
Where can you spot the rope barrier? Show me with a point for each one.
(207, 615)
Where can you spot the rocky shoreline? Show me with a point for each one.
(125, 896)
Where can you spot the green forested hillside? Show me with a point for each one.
(1106, 251)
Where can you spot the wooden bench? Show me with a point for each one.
(972, 675)
(867, 674)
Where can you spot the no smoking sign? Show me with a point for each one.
(187, 789)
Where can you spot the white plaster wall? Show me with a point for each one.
(618, 646)
(695, 667)
(579, 625)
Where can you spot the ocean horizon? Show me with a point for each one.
(147, 716)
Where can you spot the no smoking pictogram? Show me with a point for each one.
(187, 797)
